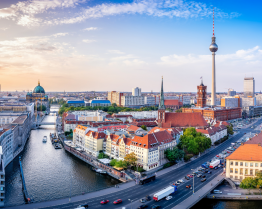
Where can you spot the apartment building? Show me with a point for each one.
(141, 115)
(115, 97)
(132, 101)
(94, 142)
(246, 161)
(215, 133)
(79, 136)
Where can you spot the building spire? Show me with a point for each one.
(162, 100)
(38, 82)
(213, 21)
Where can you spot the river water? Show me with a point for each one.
(50, 173)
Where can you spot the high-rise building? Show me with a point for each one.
(136, 91)
(231, 92)
(115, 97)
(213, 48)
(249, 87)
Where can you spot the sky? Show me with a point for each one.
(99, 45)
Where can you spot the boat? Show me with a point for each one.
(100, 171)
(45, 139)
(57, 146)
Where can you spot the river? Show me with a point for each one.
(50, 173)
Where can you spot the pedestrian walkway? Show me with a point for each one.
(203, 192)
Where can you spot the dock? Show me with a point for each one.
(28, 199)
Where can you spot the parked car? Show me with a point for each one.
(117, 201)
(209, 172)
(203, 176)
(148, 198)
(188, 186)
(155, 207)
(142, 200)
(215, 168)
(177, 182)
(104, 202)
(168, 197)
(142, 206)
(204, 179)
(199, 175)
(190, 176)
(82, 206)
(181, 181)
(186, 177)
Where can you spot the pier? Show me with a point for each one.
(28, 199)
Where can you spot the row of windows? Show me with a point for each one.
(246, 164)
(241, 171)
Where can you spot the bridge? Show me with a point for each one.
(45, 123)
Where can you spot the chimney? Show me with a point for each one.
(259, 144)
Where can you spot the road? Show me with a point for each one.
(139, 191)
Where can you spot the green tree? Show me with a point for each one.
(144, 127)
(248, 183)
(174, 154)
(113, 162)
(114, 105)
(179, 110)
(121, 164)
(131, 159)
(230, 129)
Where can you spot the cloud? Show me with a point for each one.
(59, 34)
(128, 59)
(88, 41)
(24, 12)
(4, 29)
(115, 52)
(91, 28)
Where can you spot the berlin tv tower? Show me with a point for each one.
(213, 48)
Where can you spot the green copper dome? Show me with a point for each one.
(39, 89)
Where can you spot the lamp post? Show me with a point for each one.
(70, 189)
(193, 181)
(131, 203)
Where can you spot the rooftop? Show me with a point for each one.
(20, 120)
(247, 152)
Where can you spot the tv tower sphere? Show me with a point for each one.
(213, 46)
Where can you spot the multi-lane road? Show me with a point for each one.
(139, 191)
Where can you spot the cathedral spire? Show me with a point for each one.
(162, 100)
(38, 82)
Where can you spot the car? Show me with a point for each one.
(229, 152)
(181, 181)
(142, 206)
(155, 206)
(188, 186)
(177, 182)
(168, 197)
(117, 201)
(203, 176)
(204, 179)
(205, 171)
(104, 202)
(217, 155)
(148, 198)
(219, 166)
(186, 177)
(142, 200)
(215, 168)
(199, 175)
(209, 172)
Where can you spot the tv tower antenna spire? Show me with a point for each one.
(213, 21)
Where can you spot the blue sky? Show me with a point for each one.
(81, 45)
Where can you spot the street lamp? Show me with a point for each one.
(193, 181)
(70, 188)
(131, 203)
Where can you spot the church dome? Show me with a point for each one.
(39, 89)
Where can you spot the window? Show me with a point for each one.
(231, 163)
(231, 170)
(251, 164)
(236, 170)
(256, 164)
(246, 171)
(241, 171)
(246, 164)
(251, 171)
(236, 163)
(241, 163)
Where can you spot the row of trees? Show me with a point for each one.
(129, 161)
(110, 110)
(252, 183)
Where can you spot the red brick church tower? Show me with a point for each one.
(201, 95)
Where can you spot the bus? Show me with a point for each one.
(147, 179)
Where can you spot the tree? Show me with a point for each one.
(144, 127)
(131, 159)
(102, 155)
(179, 110)
(114, 105)
(230, 129)
(248, 183)
(121, 164)
(174, 154)
(113, 162)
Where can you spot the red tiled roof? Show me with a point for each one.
(132, 128)
(172, 102)
(96, 135)
(256, 139)
(152, 140)
(247, 152)
(184, 120)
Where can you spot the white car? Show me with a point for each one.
(168, 197)
(181, 181)
(177, 182)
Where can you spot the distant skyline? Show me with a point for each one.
(87, 45)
